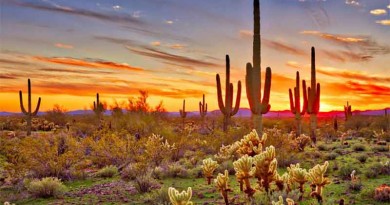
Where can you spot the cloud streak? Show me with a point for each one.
(78, 12)
(87, 63)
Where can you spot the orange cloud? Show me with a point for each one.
(61, 45)
(87, 63)
(353, 75)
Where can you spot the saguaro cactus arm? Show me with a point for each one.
(203, 107)
(295, 100)
(314, 90)
(29, 102)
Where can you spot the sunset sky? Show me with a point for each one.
(72, 49)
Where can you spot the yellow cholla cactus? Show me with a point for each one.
(227, 152)
(251, 144)
(244, 171)
(316, 177)
(182, 198)
(281, 180)
(265, 169)
(222, 183)
(208, 167)
(298, 175)
(281, 202)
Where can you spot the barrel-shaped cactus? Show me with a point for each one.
(295, 103)
(227, 108)
(258, 105)
(28, 113)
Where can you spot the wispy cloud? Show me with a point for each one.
(293, 64)
(165, 56)
(359, 44)
(87, 63)
(352, 75)
(48, 6)
(378, 12)
(385, 22)
(283, 47)
(62, 45)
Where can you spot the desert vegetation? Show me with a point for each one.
(131, 153)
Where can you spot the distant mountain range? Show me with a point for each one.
(243, 112)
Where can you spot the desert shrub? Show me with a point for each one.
(315, 154)
(331, 156)
(158, 173)
(355, 185)
(157, 149)
(385, 167)
(145, 183)
(367, 193)
(382, 193)
(157, 197)
(339, 151)
(281, 141)
(346, 170)
(294, 195)
(57, 115)
(177, 170)
(373, 170)
(46, 187)
(380, 148)
(107, 172)
(132, 170)
(196, 172)
(226, 165)
(362, 158)
(322, 147)
(359, 148)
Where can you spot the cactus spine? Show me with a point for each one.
(313, 107)
(29, 114)
(227, 107)
(253, 76)
(295, 105)
(347, 111)
(203, 110)
(183, 113)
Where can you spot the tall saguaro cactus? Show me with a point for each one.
(347, 111)
(29, 114)
(295, 105)
(183, 113)
(203, 109)
(98, 107)
(253, 76)
(313, 107)
(227, 108)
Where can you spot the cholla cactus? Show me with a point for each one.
(251, 144)
(316, 177)
(222, 183)
(157, 149)
(244, 171)
(298, 175)
(182, 198)
(265, 169)
(283, 180)
(281, 202)
(208, 167)
(227, 152)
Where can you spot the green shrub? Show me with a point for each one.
(380, 148)
(145, 183)
(339, 151)
(158, 173)
(331, 156)
(46, 187)
(346, 170)
(362, 158)
(374, 170)
(355, 186)
(177, 170)
(157, 197)
(359, 148)
(107, 172)
(322, 147)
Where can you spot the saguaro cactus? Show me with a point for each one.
(29, 114)
(253, 76)
(98, 107)
(295, 105)
(183, 113)
(227, 107)
(203, 109)
(313, 107)
(347, 111)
